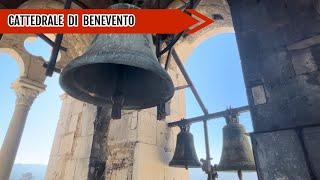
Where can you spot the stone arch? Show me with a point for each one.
(185, 49)
(16, 56)
(208, 8)
(76, 44)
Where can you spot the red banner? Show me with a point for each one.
(158, 21)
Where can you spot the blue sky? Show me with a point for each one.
(214, 68)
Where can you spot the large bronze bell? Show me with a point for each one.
(236, 152)
(118, 69)
(185, 155)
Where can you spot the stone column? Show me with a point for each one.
(26, 94)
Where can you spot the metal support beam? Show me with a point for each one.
(80, 4)
(209, 116)
(195, 4)
(54, 54)
(208, 158)
(49, 41)
(56, 48)
(157, 39)
(204, 109)
(1, 36)
(168, 59)
(171, 44)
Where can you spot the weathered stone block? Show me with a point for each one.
(259, 95)
(303, 62)
(149, 160)
(73, 122)
(82, 169)
(87, 120)
(77, 106)
(289, 104)
(119, 130)
(312, 142)
(56, 145)
(66, 144)
(134, 121)
(120, 157)
(279, 155)
(162, 134)
(56, 168)
(147, 126)
(70, 169)
(120, 174)
(82, 147)
(172, 138)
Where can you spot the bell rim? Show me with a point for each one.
(194, 165)
(246, 167)
(150, 66)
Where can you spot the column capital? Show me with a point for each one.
(26, 91)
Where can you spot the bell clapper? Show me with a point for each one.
(161, 111)
(117, 103)
(240, 174)
(118, 97)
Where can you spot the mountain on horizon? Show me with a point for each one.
(38, 171)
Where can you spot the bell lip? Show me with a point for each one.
(184, 166)
(149, 66)
(230, 168)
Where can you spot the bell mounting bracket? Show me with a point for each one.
(184, 127)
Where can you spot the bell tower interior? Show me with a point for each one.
(278, 44)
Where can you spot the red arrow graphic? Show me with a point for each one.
(206, 21)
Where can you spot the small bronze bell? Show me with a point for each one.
(118, 69)
(236, 152)
(185, 155)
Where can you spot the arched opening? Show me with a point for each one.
(32, 44)
(13, 56)
(215, 68)
(35, 146)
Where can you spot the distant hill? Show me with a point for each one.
(38, 171)
(198, 174)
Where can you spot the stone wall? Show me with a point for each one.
(69, 158)
(279, 49)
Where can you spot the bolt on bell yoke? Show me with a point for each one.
(120, 70)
